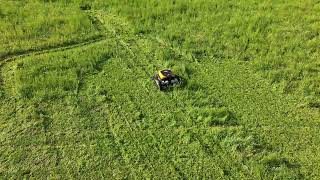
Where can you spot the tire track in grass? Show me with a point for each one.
(62, 47)
(46, 51)
(123, 154)
(87, 42)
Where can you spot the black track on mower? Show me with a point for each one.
(165, 79)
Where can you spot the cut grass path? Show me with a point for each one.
(6, 59)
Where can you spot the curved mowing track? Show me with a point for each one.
(11, 58)
(8, 59)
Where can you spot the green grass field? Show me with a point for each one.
(76, 99)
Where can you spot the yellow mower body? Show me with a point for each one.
(161, 75)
